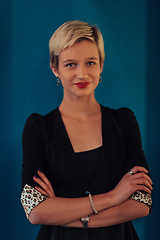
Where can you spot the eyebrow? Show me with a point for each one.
(68, 60)
(92, 58)
(72, 60)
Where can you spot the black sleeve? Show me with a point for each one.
(134, 152)
(33, 149)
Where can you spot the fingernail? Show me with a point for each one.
(39, 171)
(35, 176)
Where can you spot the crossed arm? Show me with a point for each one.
(114, 207)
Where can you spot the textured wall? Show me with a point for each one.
(131, 78)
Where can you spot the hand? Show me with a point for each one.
(138, 180)
(46, 187)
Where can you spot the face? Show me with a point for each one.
(79, 69)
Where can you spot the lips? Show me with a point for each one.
(82, 84)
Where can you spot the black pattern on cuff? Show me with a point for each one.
(30, 198)
(143, 197)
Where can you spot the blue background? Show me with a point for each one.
(131, 78)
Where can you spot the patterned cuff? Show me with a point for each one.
(30, 198)
(143, 197)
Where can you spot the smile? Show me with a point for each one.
(82, 84)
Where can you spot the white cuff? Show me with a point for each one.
(143, 197)
(30, 198)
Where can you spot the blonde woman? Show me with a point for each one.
(84, 173)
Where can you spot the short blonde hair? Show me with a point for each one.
(72, 32)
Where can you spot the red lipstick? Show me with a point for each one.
(82, 84)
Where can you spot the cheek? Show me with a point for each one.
(66, 78)
(96, 74)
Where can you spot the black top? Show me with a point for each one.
(46, 146)
(88, 161)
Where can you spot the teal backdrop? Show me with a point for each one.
(131, 78)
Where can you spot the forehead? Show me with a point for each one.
(80, 50)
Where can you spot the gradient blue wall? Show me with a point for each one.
(131, 78)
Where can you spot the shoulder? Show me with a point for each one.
(123, 117)
(38, 121)
(122, 112)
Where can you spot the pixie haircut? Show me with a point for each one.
(72, 32)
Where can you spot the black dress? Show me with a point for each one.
(46, 146)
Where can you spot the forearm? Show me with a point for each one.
(60, 211)
(127, 211)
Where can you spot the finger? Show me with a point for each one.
(41, 190)
(142, 179)
(144, 188)
(145, 183)
(138, 169)
(143, 176)
(130, 172)
(44, 186)
(45, 179)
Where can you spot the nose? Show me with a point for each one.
(81, 72)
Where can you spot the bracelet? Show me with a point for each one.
(92, 204)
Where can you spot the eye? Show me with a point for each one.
(90, 63)
(69, 65)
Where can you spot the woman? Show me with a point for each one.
(92, 174)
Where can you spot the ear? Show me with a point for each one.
(54, 70)
(101, 68)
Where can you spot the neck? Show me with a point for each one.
(79, 107)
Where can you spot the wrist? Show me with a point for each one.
(111, 199)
